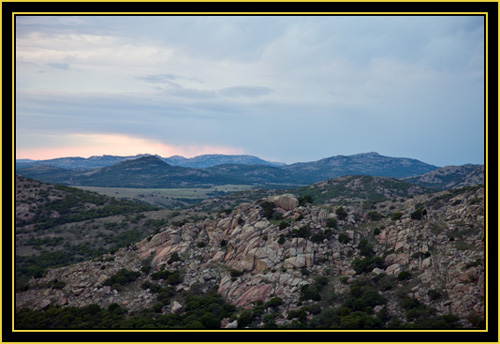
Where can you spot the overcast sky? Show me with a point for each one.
(284, 88)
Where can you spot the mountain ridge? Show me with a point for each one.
(152, 171)
(200, 161)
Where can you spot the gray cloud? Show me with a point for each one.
(165, 78)
(245, 91)
(63, 66)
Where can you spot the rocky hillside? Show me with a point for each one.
(57, 225)
(363, 189)
(450, 177)
(413, 262)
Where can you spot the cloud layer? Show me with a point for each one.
(286, 88)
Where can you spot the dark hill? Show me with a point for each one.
(372, 164)
(146, 172)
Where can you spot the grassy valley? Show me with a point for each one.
(169, 198)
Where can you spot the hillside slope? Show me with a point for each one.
(408, 263)
(58, 225)
(450, 177)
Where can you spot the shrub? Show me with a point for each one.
(56, 284)
(268, 209)
(375, 216)
(235, 273)
(331, 223)
(281, 240)
(274, 302)
(174, 258)
(146, 269)
(284, 224)
(175, 278)
(434, 294)
(122, 277)
(303, 200)
(302, 232)
(365, 248)
(367, 264)
(164, 274)
(309, 292)
(344, 238)
(396, 216)
(404, 275)
(245, 318)
(341, 213)
(157, 307)
(418, 214)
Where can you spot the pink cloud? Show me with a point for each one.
(86, 145)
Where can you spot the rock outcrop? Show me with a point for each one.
(250, 258)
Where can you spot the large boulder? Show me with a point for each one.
(286, 201)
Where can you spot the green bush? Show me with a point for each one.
(302, 232)
(418, 214)
(163, 274)
(344, 238)
(235, 273)
(341, 213)
(245, 318)
(375, 216)
(396, 216)
(284, 224)
(303, 200)
(281, 240)
(404, 275)
(274, 302)
(331, 223)
(122, 277)
(434, 294)
(365, 248)
(367, 264)
(174, 258)
(268, 209)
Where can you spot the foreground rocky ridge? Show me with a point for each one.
(274, 248)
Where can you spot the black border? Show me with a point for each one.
(258, 335)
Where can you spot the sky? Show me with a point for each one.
(283, 88)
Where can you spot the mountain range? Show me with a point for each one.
(200, 161)
(154, 172)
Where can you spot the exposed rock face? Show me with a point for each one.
(286, 202)
(250, 258)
